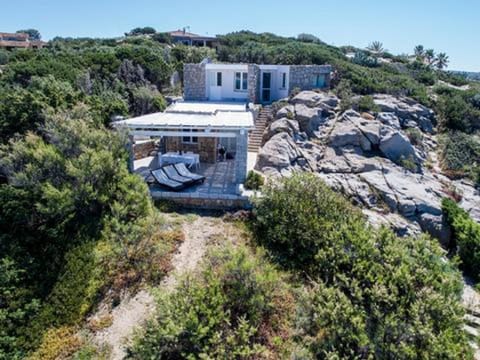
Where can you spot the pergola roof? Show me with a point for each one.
(221, 120)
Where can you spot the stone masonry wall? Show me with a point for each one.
(303, 76)
(253, 83)
(206, 147)
(144, 149)
(194, 82)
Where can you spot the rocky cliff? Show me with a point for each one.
(384, 161)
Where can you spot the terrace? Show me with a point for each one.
(200, 130)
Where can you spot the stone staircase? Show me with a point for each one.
(256, 136)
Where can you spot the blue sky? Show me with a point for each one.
(452, 26)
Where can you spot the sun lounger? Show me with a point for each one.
(163, 180)
(183, 171)
(175, 176)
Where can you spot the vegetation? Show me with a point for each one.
(235, 309)
(373, 294)
(254, 180)
(69, 198)
(66, 196)
(466, 232)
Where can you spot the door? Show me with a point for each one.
(216, 81)
(266, 87)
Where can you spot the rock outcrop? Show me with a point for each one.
(363, 156)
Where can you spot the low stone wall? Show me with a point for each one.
(206, 147)
(194, 82)
(197, 201)
(143, 149)
(303, 76)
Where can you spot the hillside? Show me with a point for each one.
(86, 257)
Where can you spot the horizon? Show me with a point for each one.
(449, 27)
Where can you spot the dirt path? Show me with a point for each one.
(132, 312)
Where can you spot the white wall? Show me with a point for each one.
(227, 90)
(277, 92)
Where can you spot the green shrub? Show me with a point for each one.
(230, 311)
(378, 295)
(460, 154)
(254, 180)
(466, 233)
(366, 104)
(415, 136)
(408, 163)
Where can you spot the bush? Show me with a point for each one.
(378, 295)
(254, 180)
(466, 234)
(415, 136)
(231, 310)
(460, 154)
(366, 104)
(456, 113)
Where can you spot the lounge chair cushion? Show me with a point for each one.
(174, 175)
(183, 171)
(163, 180)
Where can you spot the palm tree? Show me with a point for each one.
(419, 52)
(441, 61)
(376, 48)
(430, 56)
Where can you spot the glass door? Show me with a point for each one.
(266, 86)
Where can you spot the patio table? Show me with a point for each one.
(191, 160)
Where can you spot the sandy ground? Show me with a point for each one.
(132, 312)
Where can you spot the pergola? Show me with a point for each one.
(206, 119)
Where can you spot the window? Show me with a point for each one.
(284, 80)
(219, 79)
(190, 139)
(319, 81)
(241, 81)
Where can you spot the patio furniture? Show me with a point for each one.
(175, 176)
(163, 180)
(182, 170)
(191, 160)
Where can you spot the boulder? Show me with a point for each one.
(369, 128)
(389, 119)
(406, 109)
(347, 134)
(309, 119)
(396, 146)
(286, 112)
(282, 125)
(436, 226)
(316, 99)
(278, 153)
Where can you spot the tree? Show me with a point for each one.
(147, 30)
(376, 48)
(419, 52)
(429, 57)
(308, 38)
(33, 34)
(441, 61)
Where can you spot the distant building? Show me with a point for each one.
(19, 40)
(190, 39)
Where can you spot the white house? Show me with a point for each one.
(251, 82)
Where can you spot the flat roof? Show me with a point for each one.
(206, 107)
(222, 120)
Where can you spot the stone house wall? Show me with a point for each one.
(206, 147)
(194, 82)
(253, 83)
(303, 76)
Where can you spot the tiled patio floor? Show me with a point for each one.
(220, 177)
